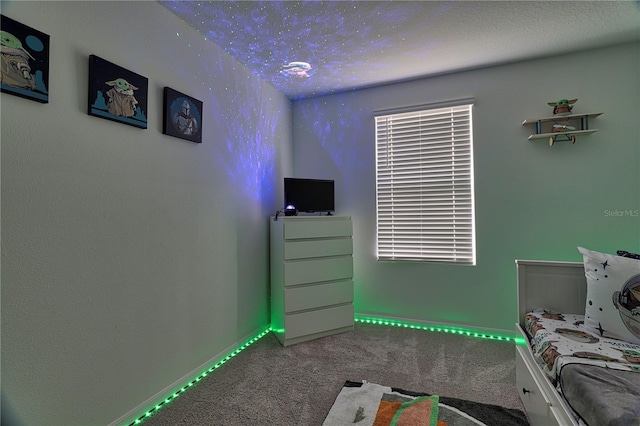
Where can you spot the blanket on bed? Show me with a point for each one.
(598, 377)
(588, 388)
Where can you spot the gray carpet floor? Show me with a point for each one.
(268, 384)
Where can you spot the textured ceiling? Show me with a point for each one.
(312, 48)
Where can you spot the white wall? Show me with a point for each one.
(129, 258)
(532, 201)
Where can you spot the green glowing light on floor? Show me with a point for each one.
(521, 341)
(439, 329)
(201, 376)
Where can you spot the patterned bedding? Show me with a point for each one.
(559, 339)
(573, 361)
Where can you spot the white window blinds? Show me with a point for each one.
(424, 185)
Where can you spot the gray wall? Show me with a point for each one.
(130, 258)
(532, 201)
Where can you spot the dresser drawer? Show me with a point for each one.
(321, 320)
(301, 249)
(318, 295)
(317, 270)
(321, 227)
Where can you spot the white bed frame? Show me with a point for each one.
(561, 287)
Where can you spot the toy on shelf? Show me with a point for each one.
(563, 106)
(563, 124)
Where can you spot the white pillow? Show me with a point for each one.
(613, 296)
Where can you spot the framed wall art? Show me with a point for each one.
(116, 93)
(182, 116)
(25, 60)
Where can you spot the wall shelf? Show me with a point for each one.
(577, 124)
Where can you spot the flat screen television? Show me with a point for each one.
(309, 195)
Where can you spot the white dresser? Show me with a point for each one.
(311, 277)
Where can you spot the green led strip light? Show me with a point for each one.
(180, 391)
(434, 328)
(364, 320)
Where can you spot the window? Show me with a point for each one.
(424, 184)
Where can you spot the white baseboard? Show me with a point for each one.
(450, 326)
(142, 408)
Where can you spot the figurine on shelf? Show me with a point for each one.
(563, 106)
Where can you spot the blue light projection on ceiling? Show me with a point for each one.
(332, 129)
(246, 125)
(311, 48)
(240, 127)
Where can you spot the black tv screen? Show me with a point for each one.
(309, 195)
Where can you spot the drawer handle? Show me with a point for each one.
(525, 391)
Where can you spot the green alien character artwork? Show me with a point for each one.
(122, 101)
(116, 93)
(627, 302)
(24, 61)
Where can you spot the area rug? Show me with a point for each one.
(369, 404)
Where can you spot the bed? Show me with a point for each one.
(567, 374)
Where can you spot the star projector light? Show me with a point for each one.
(290, 210)
(297, 69)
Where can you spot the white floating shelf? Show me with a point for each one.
(562, 121)
(573, 132)
(559, 118)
